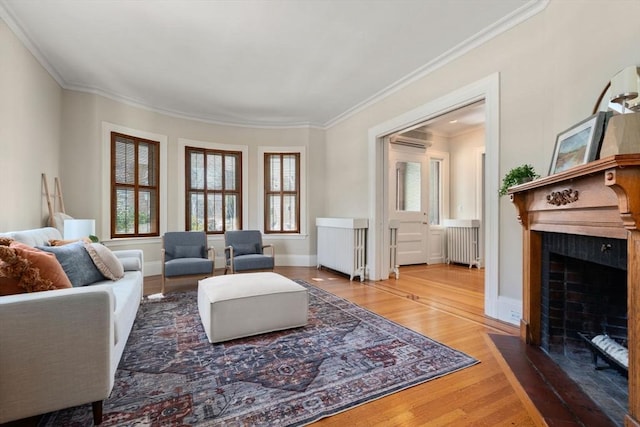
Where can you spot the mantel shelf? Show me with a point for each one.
(618, 161)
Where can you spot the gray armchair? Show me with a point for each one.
(244, 251)
(185, 254)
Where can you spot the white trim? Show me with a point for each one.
(180, 166)
(17, 27)
(480, 200)
(107, 128)
(304, 198)
(487, 89)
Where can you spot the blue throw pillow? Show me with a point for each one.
(188, 251)
(76, 263)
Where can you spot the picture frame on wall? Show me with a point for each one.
(579, 144)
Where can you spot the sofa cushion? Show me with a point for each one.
(26, 269)
(34, 237)
(76, 262)
(245, 249)
(59, 242)
(188, 251)
(108, 264)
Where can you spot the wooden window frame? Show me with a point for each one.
(268, 192)
(136, 187)
(205, 191)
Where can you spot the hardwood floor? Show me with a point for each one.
(445, 303)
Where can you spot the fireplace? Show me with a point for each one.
(584, 295)
(581, 237)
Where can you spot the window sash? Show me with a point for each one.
(282, 193)
(135, 193)
(213, 190)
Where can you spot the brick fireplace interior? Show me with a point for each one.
(584, 291)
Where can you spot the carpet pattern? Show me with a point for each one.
(170, 375)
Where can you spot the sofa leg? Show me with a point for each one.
(97, 412)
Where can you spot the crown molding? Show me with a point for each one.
(15, 25)
(518, 16)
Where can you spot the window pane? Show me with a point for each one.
(232, 213)
(125, 159)
(125, 211)
(146, 164)
(434, 191)
(144, 212)
(196, 210)
(290, 220)
(214, 172)
(289, 173)
(274, 173)
(214, 212)
(408, 187)
(273, 221)
(230, 167)
(197, 171)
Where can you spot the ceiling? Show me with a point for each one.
(456, 122)
(253, 62)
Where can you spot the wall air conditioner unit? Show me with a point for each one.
(412, 138)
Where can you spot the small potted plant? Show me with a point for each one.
(517, 175)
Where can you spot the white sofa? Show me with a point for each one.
(61, 348)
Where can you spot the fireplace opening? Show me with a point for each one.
(584, 292)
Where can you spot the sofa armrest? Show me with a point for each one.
(131, 259)
(56, 349)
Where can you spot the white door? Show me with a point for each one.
(408, 202)
(418, 200)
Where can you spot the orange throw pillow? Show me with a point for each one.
(27, 269)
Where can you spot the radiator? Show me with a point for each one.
(463, 242)
(394, 268)
(342, 245)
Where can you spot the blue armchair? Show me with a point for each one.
(185, 254)
(244, 251)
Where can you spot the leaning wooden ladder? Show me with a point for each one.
(51, 199)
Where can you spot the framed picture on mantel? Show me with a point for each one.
(579, 144)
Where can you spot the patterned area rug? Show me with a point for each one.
(170, 375)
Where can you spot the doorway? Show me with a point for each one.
(435, 174)
(379, 236)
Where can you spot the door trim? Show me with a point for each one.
(487, 89)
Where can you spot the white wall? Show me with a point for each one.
(465, 169)
(30, 112)
(552, 69)
(84, 163)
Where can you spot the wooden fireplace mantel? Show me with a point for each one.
(600, 199)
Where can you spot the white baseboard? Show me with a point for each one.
(509, 310)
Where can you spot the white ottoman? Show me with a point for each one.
(239, 305)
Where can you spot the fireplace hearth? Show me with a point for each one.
(581, 274)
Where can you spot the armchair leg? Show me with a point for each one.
(97, 412)
(162, 289)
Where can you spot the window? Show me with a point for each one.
(435, 191)
(282, 193)
(134, 186)
(213, 190)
